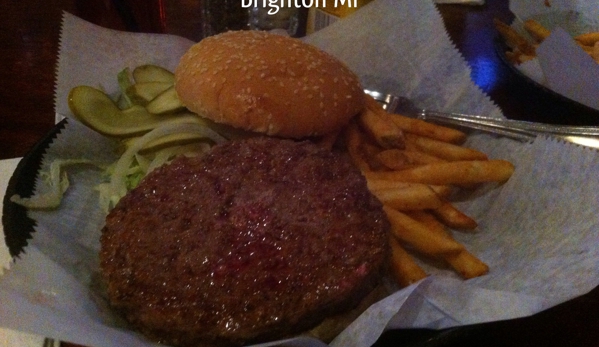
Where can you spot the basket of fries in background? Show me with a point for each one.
(522, 48)
(555, 46)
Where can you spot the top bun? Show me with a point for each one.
(267, 83)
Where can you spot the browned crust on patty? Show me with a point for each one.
(259, 239)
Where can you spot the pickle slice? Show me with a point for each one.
(142, 93)
(165, 103)
(96, 110)
(152, 73)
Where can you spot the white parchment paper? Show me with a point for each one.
(538, 232)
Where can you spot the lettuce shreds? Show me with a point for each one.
(166, 155)
(58, 183)
(142, 162)
(122, 178)
(124, 174)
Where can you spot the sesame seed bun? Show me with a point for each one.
(267, 83)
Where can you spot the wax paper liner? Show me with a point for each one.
(537, 232)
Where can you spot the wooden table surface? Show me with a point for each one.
(29, 36)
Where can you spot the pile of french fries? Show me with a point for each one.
(522, 49)
(413, 167)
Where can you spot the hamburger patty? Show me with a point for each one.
(258, 239)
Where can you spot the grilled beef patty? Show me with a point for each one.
(257, 240)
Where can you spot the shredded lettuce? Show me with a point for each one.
(130, 168)
(124, 174)
(58, 183)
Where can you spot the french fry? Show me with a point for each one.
(536, 30)
(404, 268)
(433, 131)
(522, 58)
(587, 39)
(394, 159)
(587, 49)
(464, 262)
(420, 158)
(397, 159)
(380, 185)
(443, 191)
(467, 265)
(456, 172)
(595, 53)
(353, 142)
(410, 197)
(370, 151)
(428, 219)
(418, 126)
(517, 57)
(442, 149)
(381, 128)
(453, 217)
(513, 38)
(417, 235)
